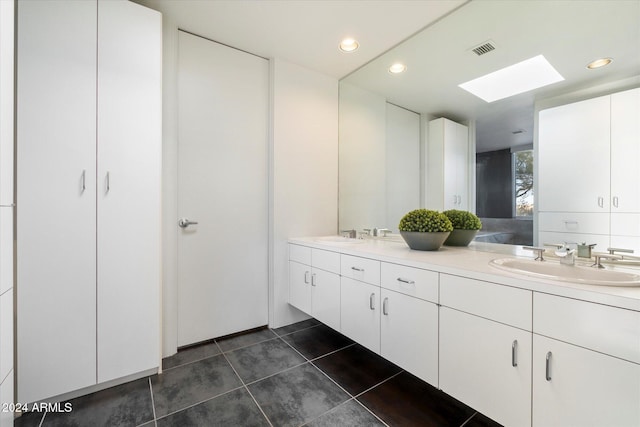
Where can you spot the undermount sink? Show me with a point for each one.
(337, 239)
(567, 273)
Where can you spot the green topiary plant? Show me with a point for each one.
(425, 221)
(463, 220)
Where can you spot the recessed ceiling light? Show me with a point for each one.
(349, 45)
(599, 63)
(518, 78)
(397, 68)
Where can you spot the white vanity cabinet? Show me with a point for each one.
(448, 169)
(409, 319)
(360, 300)
(586, 364)
(485, 347)
(597, 139)
(314, 283)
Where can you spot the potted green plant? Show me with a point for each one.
(424, 229)
(465, 227)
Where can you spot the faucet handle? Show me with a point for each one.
(612, 251)
(601, 256)
(352, 233)
(554, 245)
(537, 250)
(384, 231)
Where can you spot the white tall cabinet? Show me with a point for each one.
(448, 165)
(88, 193)
(588, 156)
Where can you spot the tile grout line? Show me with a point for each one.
(44, 414)
(293, 332)
(333, 352)
(198, 403)
(153, 404)
(245, 386)
(380, 383)
(469, 419)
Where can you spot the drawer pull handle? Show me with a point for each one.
(407, 281)
(385, 306)
(313, 279)
(514, 353)
(616, 202)
(548, 367)
(357, 269)
(372, 302)
(306, 277)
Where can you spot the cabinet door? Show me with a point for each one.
(300, 286)
(455, 165)
(56, 221)
(573, 386)
(486, 365)
(409, 334)
(573, 142)
(325, 298)
(129, 148)
(625, 151)
(360, 312)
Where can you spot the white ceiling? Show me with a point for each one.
(569, 33)
(306, 32)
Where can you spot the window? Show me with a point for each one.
(523, 183)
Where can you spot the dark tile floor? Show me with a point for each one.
(304, 374)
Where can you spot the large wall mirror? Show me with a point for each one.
(384, 117)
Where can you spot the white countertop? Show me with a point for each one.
(473, 262)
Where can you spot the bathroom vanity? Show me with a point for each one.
(523, 350)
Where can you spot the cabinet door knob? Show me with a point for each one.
(548, 367)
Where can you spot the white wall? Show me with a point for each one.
(6, 212)
(304, 195)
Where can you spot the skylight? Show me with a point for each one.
(518, 78)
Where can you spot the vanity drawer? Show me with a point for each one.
(326, 260)
(609, 330)
(625, 224)
(573, 222)
(415, 282)
(503, 304)
(362, 269)
(301, 254)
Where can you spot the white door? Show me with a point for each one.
(222, 185)
(325, 297)
(129, 147)
(56, 199)
(360, 313)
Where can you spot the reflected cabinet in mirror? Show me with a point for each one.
(527, 178)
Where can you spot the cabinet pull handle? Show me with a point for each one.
(514, 353)
(601, 201)
(385, 306)
(407, 281)
(548, 367)
(108, 179)
(306, 277)
(372, 302)
(357, 269)
(313, 279)
(84, 180)
(615, 201)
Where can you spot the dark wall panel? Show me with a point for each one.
(494, 186)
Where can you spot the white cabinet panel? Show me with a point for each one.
(6, 333)
(584, 388)
(409, 334)
(301, 254)
(477, 358)
(56, 222)
(300, 286)
(362, 269)
(129, 151)
(496, 302)
(325, 298)
(574, 222)
(326, 260)
(564, 132)
(411, 281)
(625, 151)
(360, 313)
(599, 327)
(6, 396)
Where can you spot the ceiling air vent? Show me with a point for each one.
(485, 47)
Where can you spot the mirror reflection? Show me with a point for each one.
(394, 158)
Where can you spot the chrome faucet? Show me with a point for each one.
(567, 256)
(351, 233)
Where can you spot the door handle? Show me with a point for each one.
(184, 222)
